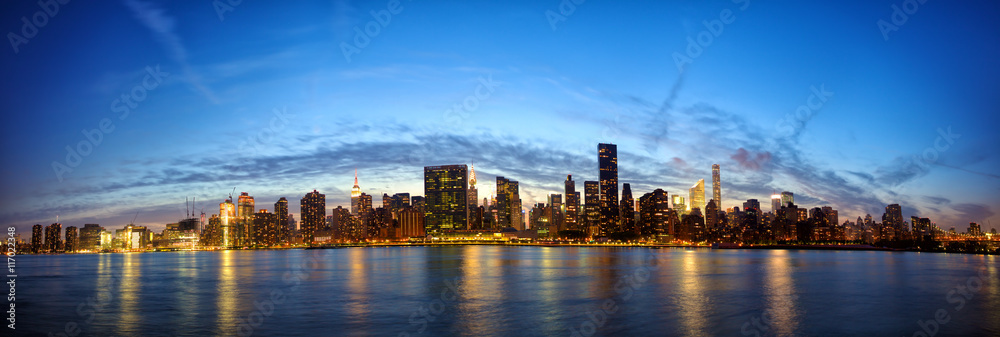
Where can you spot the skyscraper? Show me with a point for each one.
(627, 210)
(445, 193)
(71, 239)
(787, 198)
(572, 204)
(313, 217)
(36, 238)
(245, 211)
(228, 224)
(508, 204)
(716, 186)
(53, 242)
(473, 193)
(653, 211)
(355, 194)
(592, 207)
(281, 216)
(775, 203)
(893, 219)
(696, 195)
(607, 159)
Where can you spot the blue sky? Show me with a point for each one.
(606, 73)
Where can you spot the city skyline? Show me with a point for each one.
(862, 120)
(309, 222)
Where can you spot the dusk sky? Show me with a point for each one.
(262, 97)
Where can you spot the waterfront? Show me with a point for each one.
(503, 290)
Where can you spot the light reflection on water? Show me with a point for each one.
(520, 291)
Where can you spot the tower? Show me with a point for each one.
(607, 158)
(572, 203)
(716, 186)
(445, 193)
(696, 195)
(473, 193)
(355, 194)
(313, 209)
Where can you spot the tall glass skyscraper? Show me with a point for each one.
(696, 196)
(572, 204)
(607, 159)
(716, 186)
(445, 193)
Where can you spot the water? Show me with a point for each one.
(513, 291)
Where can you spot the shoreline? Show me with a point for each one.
(586, 245)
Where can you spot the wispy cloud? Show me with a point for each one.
(163, 26)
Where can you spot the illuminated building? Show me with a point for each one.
(653, 211)
(892, 222)
(53, 242)
(712, 219)
(974, 229)
(245, 210)
(572, 204)
(696, 195)
(90, 237)
(281, 215)
(555, 214)
(473, 193)
(36, 238)
(265, 228)
(775, 202)
(355, 194)
(787, 198)
(679, 203)
(607, 159)
(313, 209)
(716, 186)
(71, 239)
(445, 193)
(592, 207)
(508, 204)
(411, 223)
(627, 211)
(229, 226)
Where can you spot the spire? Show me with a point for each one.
(472, 174)
(356, 190)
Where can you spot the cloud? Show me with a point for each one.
(749, 160)
(162, 25)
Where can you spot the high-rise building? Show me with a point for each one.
(228, 224)
(555, 213)
(53, 242)
(365, 202)
(355, 194)
(787, 198)
(572, 204)
(473, 193)
(90, 237)
(654, 208)
(71, 239)
(36, 238)
(607, 159)
(893, 220)
(711, 215)
(313, 217)
(508, 204)
(680, 205)
(627, 211)
(716, 187)
(245, 209)
(775, 202)
(281, 216)
(592, 207)
(411, 223)
(265, 228)
(696, 195)
(445, 193)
